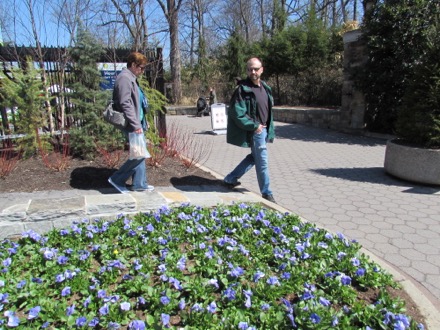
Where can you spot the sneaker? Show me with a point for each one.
(231, 185)
(121, 189)
(269, 198)
(149, 188)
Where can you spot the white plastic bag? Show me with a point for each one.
(138, 146)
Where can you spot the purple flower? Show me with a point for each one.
(137, 265)
(257, 276)
(360, 272)
(59, 278)
(307, 295)
(141, 301)
(165, 320)
(197, 308)
(104, 310)
(324, 302)
(323, 245)
(21, 284)
(113, 326)
(315, 318)
(292, 319)
(181, 263)
(176, 283)
(125, 306)
(346, 280)
(213, 282)
(70, 310)
(165, 300)
(65, 291)
(273, 280)
(114, 264)
(229, 294)
(49, 254)
(4, 298)
(7, 262)
(162, 268)
(13, 320)
(287, 304)
(62, 260)
(212, 307)
(341, 255)
(102, 294)
(81, 321)
(136, 325)
(87, 302)
(112, 299)
(243, 325)
(265, 307)
(237, 271)
(94, 322)
(248, 294)
(401, 322)
(33, 312)
(286, 275)
(64, 232)
(335, 321)
(182, 304)
(355, 262)
(210, 253)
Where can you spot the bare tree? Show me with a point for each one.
(132, 15)
(39, 52)
(171, 12)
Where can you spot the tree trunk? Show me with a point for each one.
(45, 82)
(171, 12)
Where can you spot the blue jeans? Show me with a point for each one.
(134, 168)
(257, 157)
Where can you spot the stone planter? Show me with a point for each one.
(413, 164)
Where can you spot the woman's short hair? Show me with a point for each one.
(136, 58)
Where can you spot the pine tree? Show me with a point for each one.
(89, 100)
(23, 89)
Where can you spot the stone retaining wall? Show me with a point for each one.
(316, 117)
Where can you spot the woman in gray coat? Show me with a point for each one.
(129, 98)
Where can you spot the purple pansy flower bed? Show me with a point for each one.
(230, 267)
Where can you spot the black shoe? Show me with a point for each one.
(231, 185)
(269, 198)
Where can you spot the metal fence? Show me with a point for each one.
(58, 68)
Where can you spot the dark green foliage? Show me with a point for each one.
(89, 100)
(236, 55)
(419, 115)
(396, 36)
(25, 91)
(156, 104)
(308, 55)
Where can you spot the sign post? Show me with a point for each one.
(219, 118)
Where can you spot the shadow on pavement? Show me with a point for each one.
(198, 183)
(375, 175)
(312, 134)
(90, 178)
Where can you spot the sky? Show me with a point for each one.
(16, 24)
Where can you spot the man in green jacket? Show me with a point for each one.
(250, 124)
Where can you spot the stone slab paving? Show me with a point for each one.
(337, 181)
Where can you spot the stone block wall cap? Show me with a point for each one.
(351, 36)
